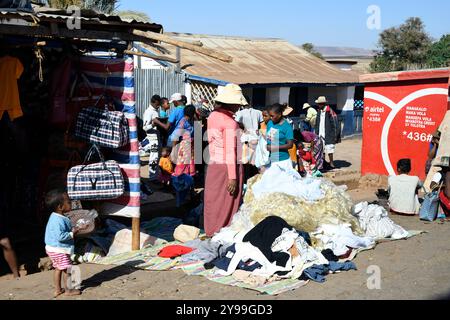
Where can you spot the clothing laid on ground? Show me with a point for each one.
(204, 251)
(277, 179)
(250, 118)
(224, 260)
(403, 194)
(278, 135)
(220, 206)
(263, 236)
(340, 238)
(11, 70)
(317, 273)
(174, 251)
(375, 221)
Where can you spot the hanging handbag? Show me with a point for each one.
(430, 205)
(97, 181)
(102, 127)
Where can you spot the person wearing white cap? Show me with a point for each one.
(174, 118)
(224, 177)
(327, 128)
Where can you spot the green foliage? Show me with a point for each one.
(439, 53)
(402, 47)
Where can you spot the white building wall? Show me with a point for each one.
(346, 98)
(277, 95)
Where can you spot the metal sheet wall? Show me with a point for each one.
(149, 82)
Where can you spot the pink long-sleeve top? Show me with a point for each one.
(222, 137)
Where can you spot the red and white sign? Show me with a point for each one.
(399, 120)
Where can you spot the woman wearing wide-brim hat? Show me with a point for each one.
(224, 177)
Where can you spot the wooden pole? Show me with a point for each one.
(136, 234)
(151, 56)
(182, 44)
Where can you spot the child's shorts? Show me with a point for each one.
(61, 261)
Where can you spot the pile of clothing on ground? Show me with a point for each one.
(291, 228)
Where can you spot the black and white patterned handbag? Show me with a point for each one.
(102, 127)
(98, 181)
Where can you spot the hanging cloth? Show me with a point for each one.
(11, 70)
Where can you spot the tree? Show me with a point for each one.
(309, 47)
(133, 15)
(402, 47)
(439, 54)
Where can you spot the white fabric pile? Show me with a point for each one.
(375, 222)
(339, 238)
(277, 180)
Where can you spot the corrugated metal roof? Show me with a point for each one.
(259, 61)
(90, 17)
(439, 73)
(345, 52)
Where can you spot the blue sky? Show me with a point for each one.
(321, 22)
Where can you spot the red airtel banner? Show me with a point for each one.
(399, 120)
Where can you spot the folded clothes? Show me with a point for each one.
(174, 251)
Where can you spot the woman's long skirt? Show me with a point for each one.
(220, 206)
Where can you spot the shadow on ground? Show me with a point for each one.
(111, 274)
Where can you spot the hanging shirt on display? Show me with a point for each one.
(10, 71)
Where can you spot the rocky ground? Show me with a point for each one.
(409, 269)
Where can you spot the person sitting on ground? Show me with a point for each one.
(59, 239)
(403, 199)
(165, 166)
(442, 179)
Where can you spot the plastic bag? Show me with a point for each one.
(262, 155)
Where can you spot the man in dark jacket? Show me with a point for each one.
(327, 128)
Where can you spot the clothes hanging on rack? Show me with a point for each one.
(11, 70)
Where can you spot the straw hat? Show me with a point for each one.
(321, 100)
(306, 106)
(288, 111)
(444, 162)
(231, 94)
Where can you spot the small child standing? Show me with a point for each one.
(403, 199)
(59, 239)
(165, 166)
